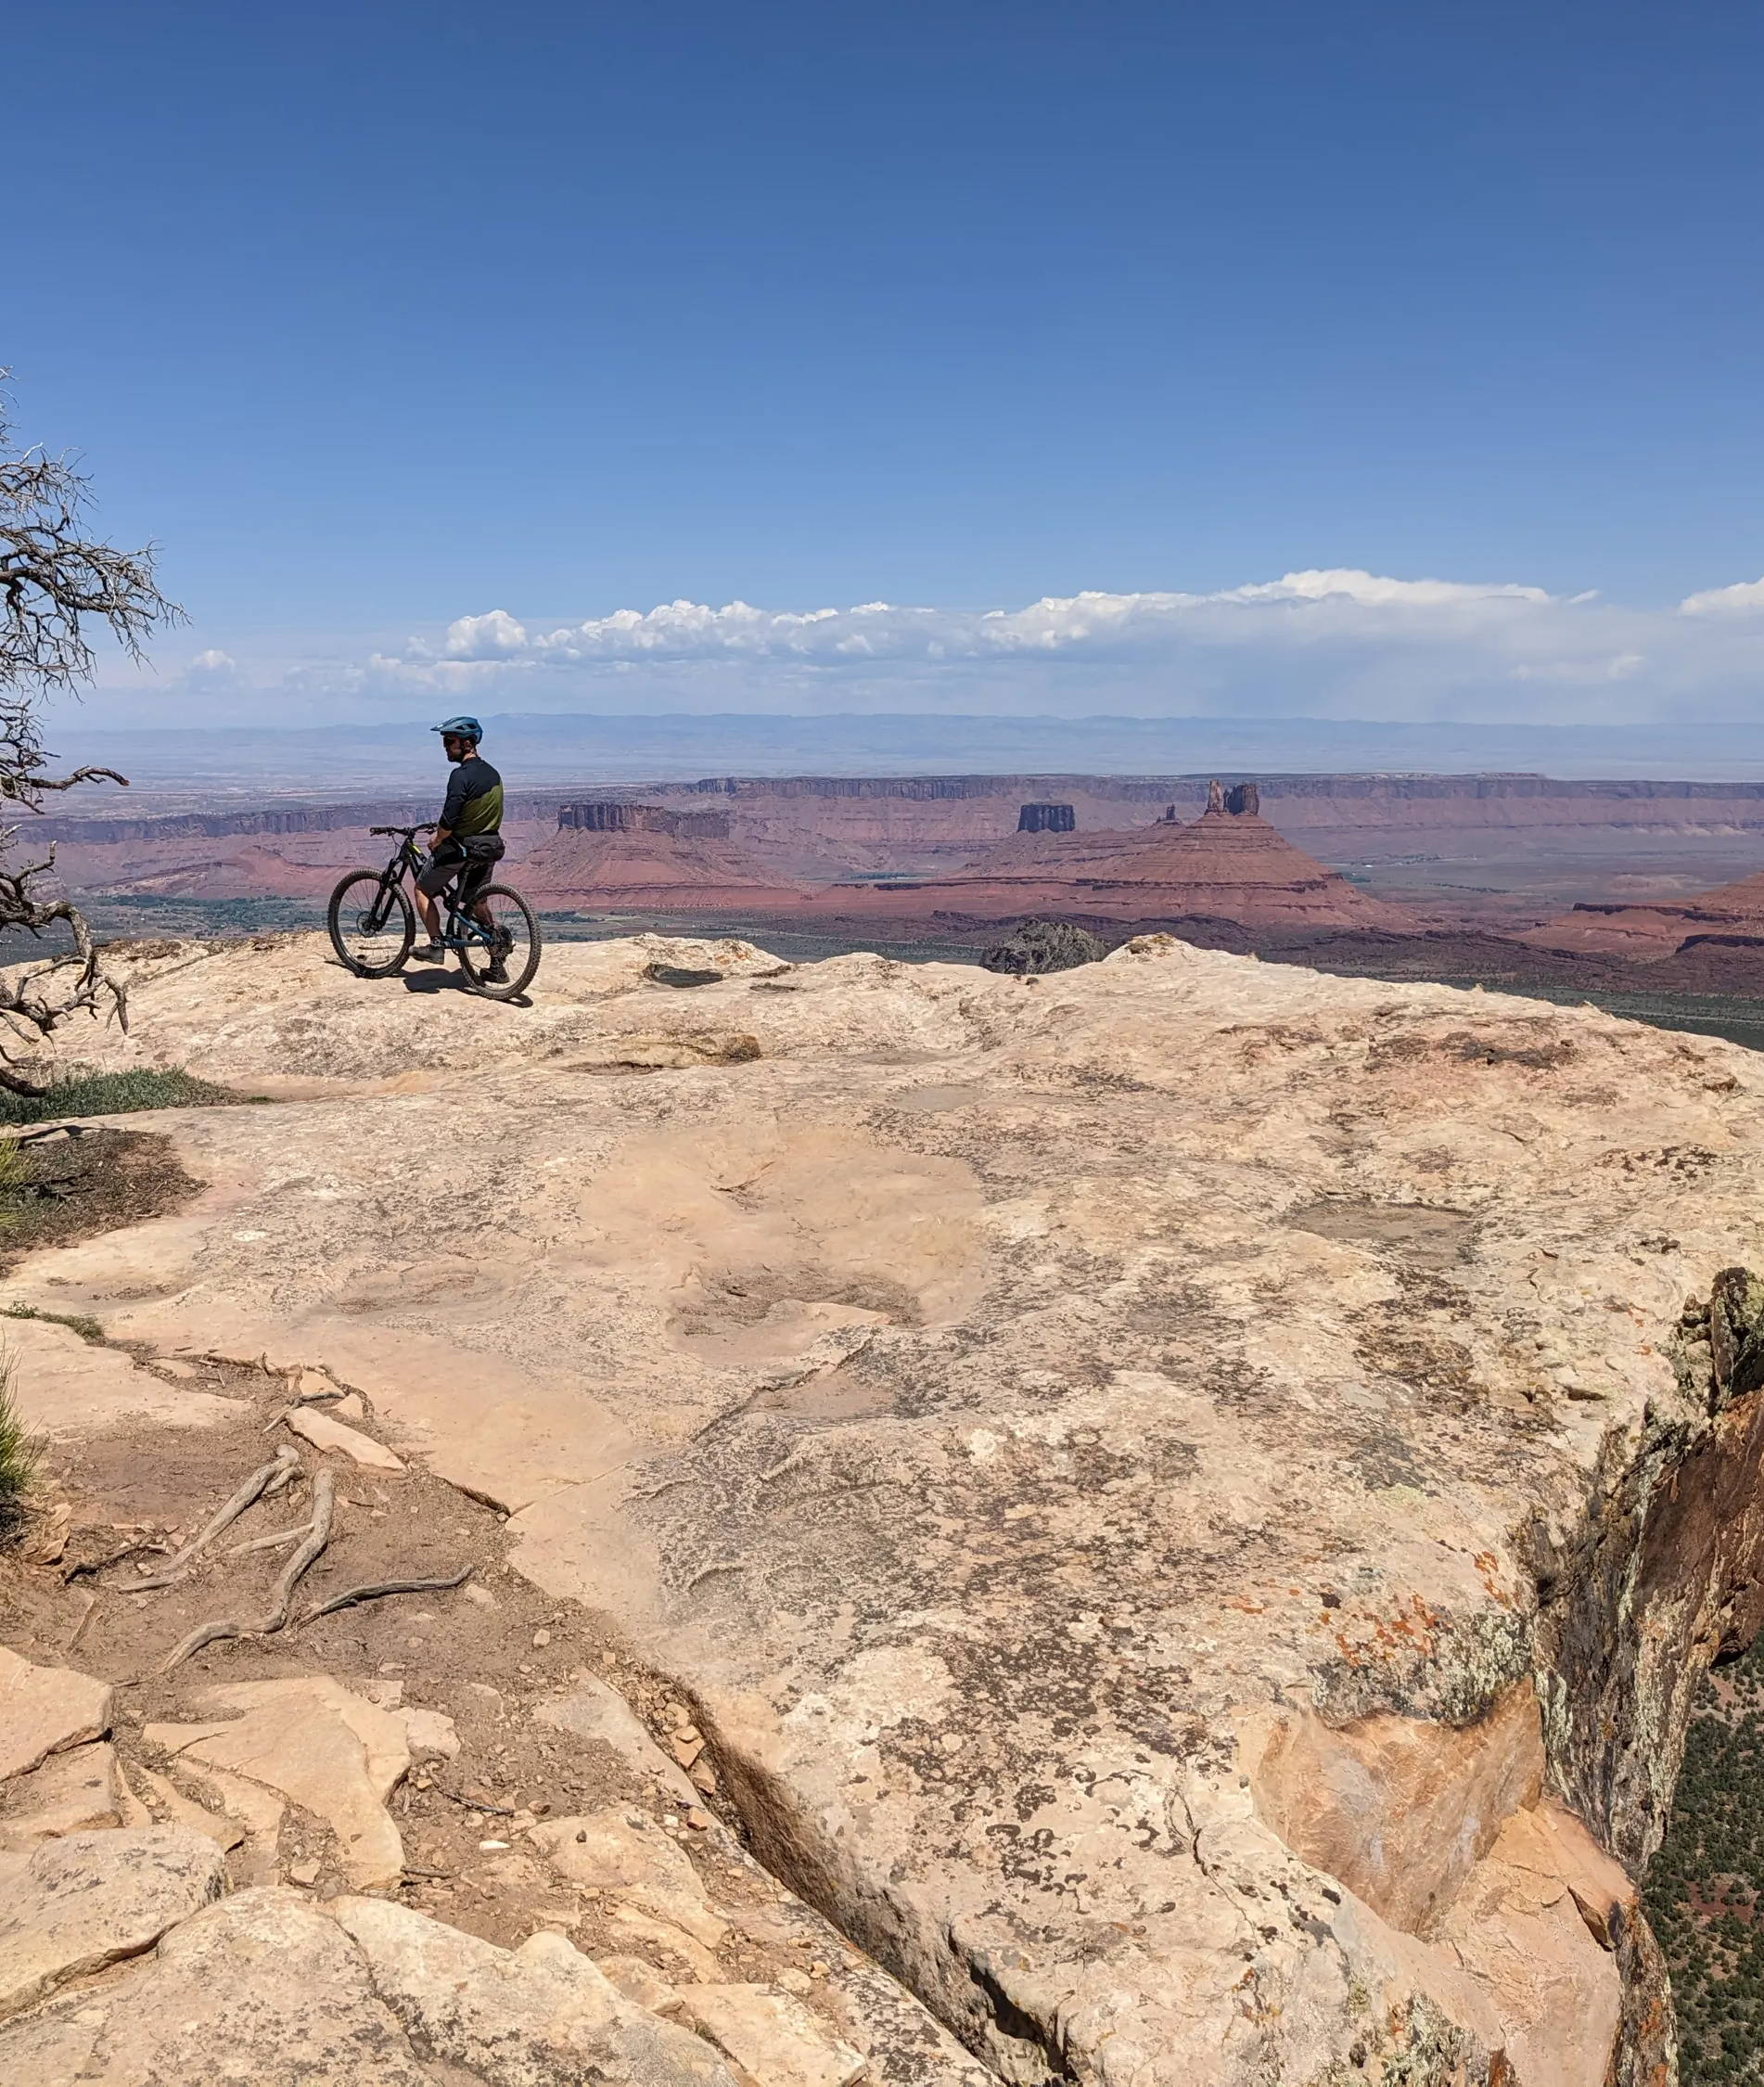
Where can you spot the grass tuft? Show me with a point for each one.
(111, 1094)
(17, 1459)
(85, 1326)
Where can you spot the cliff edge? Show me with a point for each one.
(1183, 1496)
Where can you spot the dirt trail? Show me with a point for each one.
(483, 1665)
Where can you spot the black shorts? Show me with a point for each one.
(476, 854)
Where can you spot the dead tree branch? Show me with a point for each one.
(59, 590)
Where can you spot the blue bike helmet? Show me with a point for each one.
(461, 728)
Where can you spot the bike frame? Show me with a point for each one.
(407, 859)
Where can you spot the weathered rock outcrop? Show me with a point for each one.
(1038, 946)
(1181, 1493)
(272, 1989)
(275, 1988)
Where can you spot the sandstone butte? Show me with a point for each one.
(813, 826)
(1180, 1494)
(1228, 864)
(1731, 911)
(640, 858)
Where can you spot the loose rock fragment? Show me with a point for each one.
(430, 1734)
(328, 1750)
(44, 1709)
(325, 1433)
(77, 1791)
(641, 1982)
(179, 1811)
(594, 1709)
(638, 1864)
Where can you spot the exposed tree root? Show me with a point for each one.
(268, 1543)
(318, 1535)
(374, 1588)
(267, 1479)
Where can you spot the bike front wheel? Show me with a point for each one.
(501, 966)
(372, 924)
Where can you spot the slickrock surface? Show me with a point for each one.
(269, 1990)
(80, 1902)
(1177, 1493)
(65, 1386)
(1224, 865)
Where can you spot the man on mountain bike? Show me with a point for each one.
(468, 834)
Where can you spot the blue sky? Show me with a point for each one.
(387, 317)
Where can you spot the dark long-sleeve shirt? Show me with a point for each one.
(474, 798)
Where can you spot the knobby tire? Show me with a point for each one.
(475, 958)
(367, 887)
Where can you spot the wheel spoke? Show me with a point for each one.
(500, 951)
(371, 924)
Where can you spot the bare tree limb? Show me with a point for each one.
(58, 591)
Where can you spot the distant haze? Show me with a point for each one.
(541, 751)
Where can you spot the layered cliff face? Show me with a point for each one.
(613, 815)
(1732, 913)
(1228, 864)
(642, 858)
(296, 861)
(818, 826)
(823, 828)
(1181, 1494)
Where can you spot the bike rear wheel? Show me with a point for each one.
(372, 924)
(515, 943)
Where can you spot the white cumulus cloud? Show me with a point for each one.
(1327, 642)
(879, 629)
(1745, 599)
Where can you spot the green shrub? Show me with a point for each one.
(17, 1457)
(111, 1094)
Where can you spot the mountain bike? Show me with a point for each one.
(373, 923)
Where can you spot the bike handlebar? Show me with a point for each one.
(407, 831)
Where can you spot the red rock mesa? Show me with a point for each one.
(1228, 864)
(1646, 933)
(638, 858)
